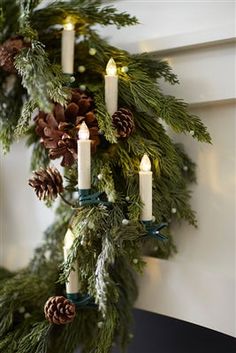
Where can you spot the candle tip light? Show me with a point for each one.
(83, 131)
(111, 69)
(145, 165)
(68, 26)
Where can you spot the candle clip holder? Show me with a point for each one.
(154, 229)
(96, 198)
(81, 300)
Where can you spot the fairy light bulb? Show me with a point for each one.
(145, 165)
(111, 68)
(83, 131)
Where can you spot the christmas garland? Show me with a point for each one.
(103, 220)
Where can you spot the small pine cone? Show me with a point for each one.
(123, 122)
(47, 183)
(8, 51)
(59, 310)
(59, 130)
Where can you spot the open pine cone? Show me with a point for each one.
(8, 51)
(59, 310)
(59, 129)
(123, 121)
(47, 183)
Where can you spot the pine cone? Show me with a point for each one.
(59, 129)
(59, 310)
(47, 183)
(8, 51)
(123, 122)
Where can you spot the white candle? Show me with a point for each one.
(67, 48)
(111, 87)
(84, 158)
(72, 285)
(145, 188)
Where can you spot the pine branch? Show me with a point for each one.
(26, 114)
(102, 276)
(155, 67)
(81, 12)
(104, 119)
(174, 112)
(33, 65)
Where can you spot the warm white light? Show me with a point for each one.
(69, 239)
(69, 26)
(83, 132)
(145, 165)
(111, 68)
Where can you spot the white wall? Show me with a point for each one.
(197, 284)
(198, 39)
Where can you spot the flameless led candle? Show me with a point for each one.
(111, 87)
(72, 285)
(84, 158)
(67, 48)
(145, 188)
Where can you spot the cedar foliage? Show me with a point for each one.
(108, 252)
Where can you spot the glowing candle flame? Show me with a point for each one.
(69, 26)
(145, 165)
(83, 132)
(111, 69)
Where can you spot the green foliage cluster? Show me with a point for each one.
(107, 250)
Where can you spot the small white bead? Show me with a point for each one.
(82, 242)
(92, 51)
(185, 168)
(91, 225)
(72, 79)
(153, 218)
(125, 222)
(81, 68)
(131, 335)
(82, 87)
(173, 210)
(4, 105)
(27, 315)
(124, 69)
(135, 261)
(21, 310)
(99, 176)
(191, 132)
(127, 198)
(100, 324)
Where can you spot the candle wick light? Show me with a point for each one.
(83, 131)
(145, 165)
(111, 69)
(69, 26)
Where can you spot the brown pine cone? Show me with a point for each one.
(123, 122)
(59, 310)
(8, 51)
(59, 129)
(47, 183)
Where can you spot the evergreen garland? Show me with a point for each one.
(107, 249)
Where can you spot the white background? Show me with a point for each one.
(197, 284)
